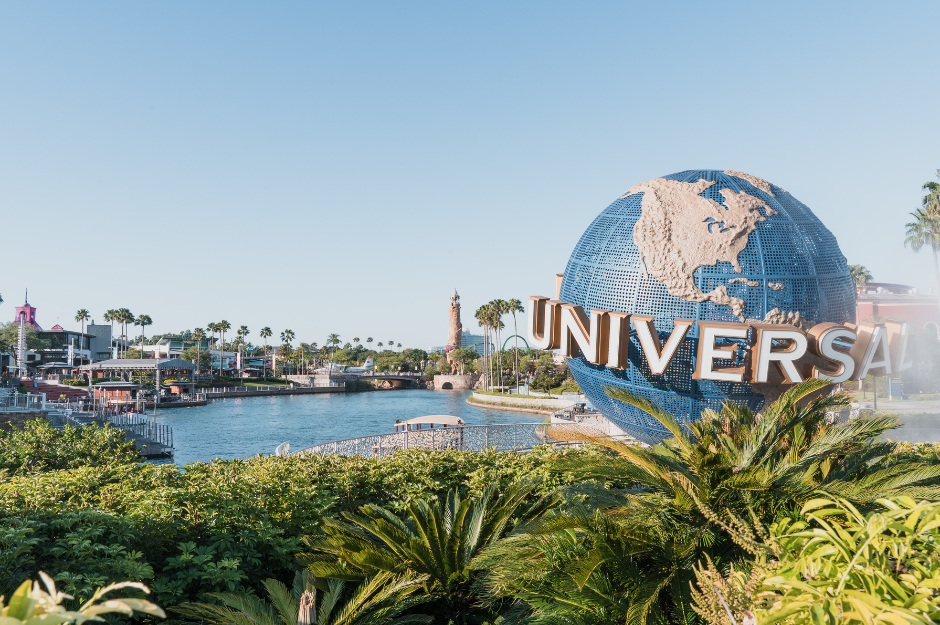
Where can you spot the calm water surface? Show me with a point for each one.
(236, 428)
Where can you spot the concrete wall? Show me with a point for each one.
(443, 382)
(538, 403)
(9, 420)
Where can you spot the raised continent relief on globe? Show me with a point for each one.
(705, 245)
(681, 231)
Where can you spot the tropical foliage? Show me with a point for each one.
(611, 533)
(35, 603)
(836, 564)
(385, 599)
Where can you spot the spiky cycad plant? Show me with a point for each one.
(436, 539)
(738, 459)
(644, 516)
(384, 599)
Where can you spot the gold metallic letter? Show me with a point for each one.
(658, 356)
(821, 338)
(763, 352)
(708, 332)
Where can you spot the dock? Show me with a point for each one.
(257, 391)
(153, 440)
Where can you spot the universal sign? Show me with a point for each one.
(603, 338)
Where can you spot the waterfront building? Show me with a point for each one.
(877, 301)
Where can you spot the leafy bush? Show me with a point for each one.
(74, 382)
(31, 604)
(833, 565)
(221, 526)
(37, 446)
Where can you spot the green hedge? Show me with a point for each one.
(74, 382)
(218, 526)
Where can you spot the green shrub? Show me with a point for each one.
(223, 525)
(37, 446)
(74, 382)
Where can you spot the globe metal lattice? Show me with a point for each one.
(793, 258)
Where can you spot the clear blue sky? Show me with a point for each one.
(342, 167)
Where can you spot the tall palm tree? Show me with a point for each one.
(286, 337)
(111, 316)
(860, 275)
(143, 321)
(369, 340)
(500, 308)
(515, 306)
(223, 327)
(214, 328)
(925, 229)
(199, 335)
(265, 334)
(81, 316)
(332, 340)
(482, 315)
(125, 317)
(398, 345)
(243, 333)
(380, 345)
(382, 600)
(356, 340)
(436, 539)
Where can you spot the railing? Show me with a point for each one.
(60, 418)
(505, 437)
(139, 426)
(250, 389)
(21, 402)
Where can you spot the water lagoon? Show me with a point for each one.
(242, 427)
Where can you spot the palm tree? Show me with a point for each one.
(382, 600)
(860, 275)
(124, 317)
(333, 341)
(212, 327)
(356, 340)
(399, 346)
(515, 306)
(436, 539)
(369, 340)
(199, 335)
(265, 334)
(380, 344)
(243, 332)
(143, 321)
(925, 229)
(223, 326)
(482, 316)
(111, 316)
(286, 337)
(81, 316)
(500, 308)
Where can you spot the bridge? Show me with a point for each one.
(395, 380)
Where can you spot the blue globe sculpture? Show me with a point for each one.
(701, 245)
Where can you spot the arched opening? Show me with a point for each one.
(447, 386)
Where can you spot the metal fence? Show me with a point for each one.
(504, 437)
(140, 426)
(21, 402)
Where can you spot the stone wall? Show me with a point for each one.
(9, 420)
(466, 382)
